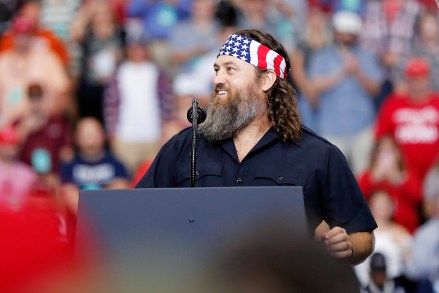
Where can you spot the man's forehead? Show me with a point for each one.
(226, 60)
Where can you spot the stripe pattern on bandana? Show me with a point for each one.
(255, 53)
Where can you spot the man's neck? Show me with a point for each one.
(420, 97)
(250, 135)
(92, 157)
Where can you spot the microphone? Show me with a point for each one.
(195, 120)
(201, 115)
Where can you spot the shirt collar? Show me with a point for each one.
(270, 136)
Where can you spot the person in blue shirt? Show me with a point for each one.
(158, 17)
(252, 136)
(346, 80)
(93, 166)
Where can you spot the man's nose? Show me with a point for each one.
(219, 78)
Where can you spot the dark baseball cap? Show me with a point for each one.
(377, 262)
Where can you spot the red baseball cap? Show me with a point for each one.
(9, 136)
(417, 67)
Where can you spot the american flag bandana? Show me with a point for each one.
(255, 53)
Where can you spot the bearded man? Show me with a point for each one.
(253, 137)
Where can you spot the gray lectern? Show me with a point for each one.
(157, 232)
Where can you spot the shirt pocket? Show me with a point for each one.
(206, 175)
(266, 178)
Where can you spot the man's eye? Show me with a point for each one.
(230, 69)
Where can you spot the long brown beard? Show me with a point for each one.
(226, 117)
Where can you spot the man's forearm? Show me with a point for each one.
(372, 87)
(363, 244)
(323, 83)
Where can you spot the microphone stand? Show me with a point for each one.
(195, 120)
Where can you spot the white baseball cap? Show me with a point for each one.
(347, 22)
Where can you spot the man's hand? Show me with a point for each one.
(351, 65)
(352, 248)
(338, 243)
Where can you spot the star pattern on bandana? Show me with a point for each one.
(253, 52)
(237, 46)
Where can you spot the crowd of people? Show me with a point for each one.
(90, 90)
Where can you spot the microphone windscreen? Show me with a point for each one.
(201, 115)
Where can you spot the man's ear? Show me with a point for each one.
(268, 80)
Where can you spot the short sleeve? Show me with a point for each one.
(343, 202)
(384, 120)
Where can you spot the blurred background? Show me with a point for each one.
(90, 90)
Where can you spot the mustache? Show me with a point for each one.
(220, 87)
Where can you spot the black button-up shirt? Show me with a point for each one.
(331, 192)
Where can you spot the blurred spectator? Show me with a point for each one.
(227, 13)
(272, 16)
(16, 178)
(158, 19)
(425, 45)
(101, 40)
(316, 36)
(46, 138)
(93, 166)
(138, 102)
(380, 282)
(42, 38)
(389, 28)
(387, 172)
(23, 65)
(413, 119)
(346, 78)
(194, 37)
(7, 9)
(254, 13)
(57, 15)
(388, 33)
(424, 262)
(431, 188)
(356, 6)
(293, 14)
(391, 239)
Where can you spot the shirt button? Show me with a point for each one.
(280, 178)
(239, 180)
(197, 173)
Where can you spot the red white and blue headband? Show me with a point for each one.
(255, 53)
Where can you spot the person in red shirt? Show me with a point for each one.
(387, 172)
(42, 38)
(412, 118)
(47, 138)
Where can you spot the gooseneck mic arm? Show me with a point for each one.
(195, 120)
